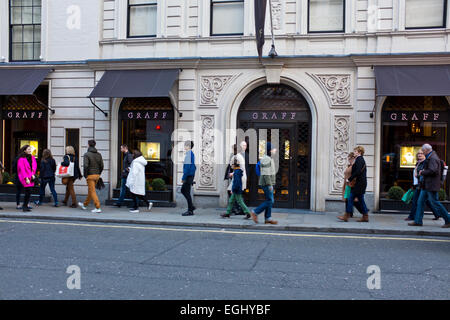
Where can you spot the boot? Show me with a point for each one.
(365, 218)
(344, 217)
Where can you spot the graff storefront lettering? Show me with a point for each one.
(21, 115)
(415, 116)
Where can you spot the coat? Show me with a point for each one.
(127, 159)
(237, 186)
(431, 173)
(241, 161)
(359, 172)
(189, 167)
(24, 170)
(136, 177)
(48, 168)
(268, 173)
(93, 162)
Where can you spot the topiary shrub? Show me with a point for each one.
(396, 193)
(6, 178)
(158, 184)
(442, 195)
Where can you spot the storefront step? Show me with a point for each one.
(11, 197)
(129, 202)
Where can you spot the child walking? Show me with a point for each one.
(236, 191)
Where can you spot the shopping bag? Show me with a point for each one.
(65, 172)
(407, 197)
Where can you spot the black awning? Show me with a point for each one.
(413, 80)
(21, 81)
(135, 83)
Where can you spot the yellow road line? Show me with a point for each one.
(225, 231)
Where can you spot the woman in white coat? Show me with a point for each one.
(136, 181)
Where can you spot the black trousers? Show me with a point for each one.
(27, 197)
(186, 191)
(19, 188)
(136, 198)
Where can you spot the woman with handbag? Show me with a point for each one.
(136, 181)
(47, 175)
(70, 159)
(346, 189)
(26, 171)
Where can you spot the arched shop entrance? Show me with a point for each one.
(24, 121)
(147, 124)
(281, 107)
(407, 124)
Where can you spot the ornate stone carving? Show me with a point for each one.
(337, 86)
(207, 175)
(276, 14)
(211, 87)
(341, 128)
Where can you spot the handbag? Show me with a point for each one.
(352, 183)
(65, 172)
(407, 197)
(100, 185)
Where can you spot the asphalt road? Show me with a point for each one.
(144, 262)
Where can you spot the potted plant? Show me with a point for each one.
(157, 190)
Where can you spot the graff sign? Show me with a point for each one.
(272, 115)
(415, 116)
(147, 115)
(24, 114)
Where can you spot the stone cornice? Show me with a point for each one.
(413, 59)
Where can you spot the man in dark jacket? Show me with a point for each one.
(430, 180)
(189, 169)
(127, 159)
(359, 172)
(93, 167)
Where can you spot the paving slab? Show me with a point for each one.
(288, 220)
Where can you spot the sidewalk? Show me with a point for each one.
(288, 220)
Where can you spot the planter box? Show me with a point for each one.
(11, 188)
(150, 195)
(8, 193)
(398, 205)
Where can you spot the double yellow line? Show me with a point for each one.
(223, 231)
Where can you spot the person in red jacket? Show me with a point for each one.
(26, 171)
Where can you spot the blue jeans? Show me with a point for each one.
(266, 205)
(360, 205)
(435, 205)
(51, 183)
(415, 198)
(123, 190)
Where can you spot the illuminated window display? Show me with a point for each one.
(146, 124)
(408, 123)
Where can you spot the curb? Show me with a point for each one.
(231, 226)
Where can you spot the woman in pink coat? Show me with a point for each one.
(26, 171)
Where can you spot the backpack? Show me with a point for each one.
(258, 169)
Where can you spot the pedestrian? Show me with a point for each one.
(237, 209)
(70, 157)
(346, 189)
(47, 175)
(416, 188)
(236, 190)
(26, 171)
(127, 159)
(93, 167)
(136, 181)
(17, 183)
(358, 184)
(189, 169)
(430, 181)
(267, 180)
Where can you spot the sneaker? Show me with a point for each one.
(96, 210)
(134, 210)
(247, 216)
(19, 207)
(150, 205)
(81, 205)
(37, 203)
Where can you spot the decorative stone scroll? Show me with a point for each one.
(341, 127)
(211, 87)
(207, 174)
(337, 87)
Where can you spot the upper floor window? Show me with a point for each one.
(25, 29)
(326, 16)
(227, 17)
(142, 18)
(425, 14)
